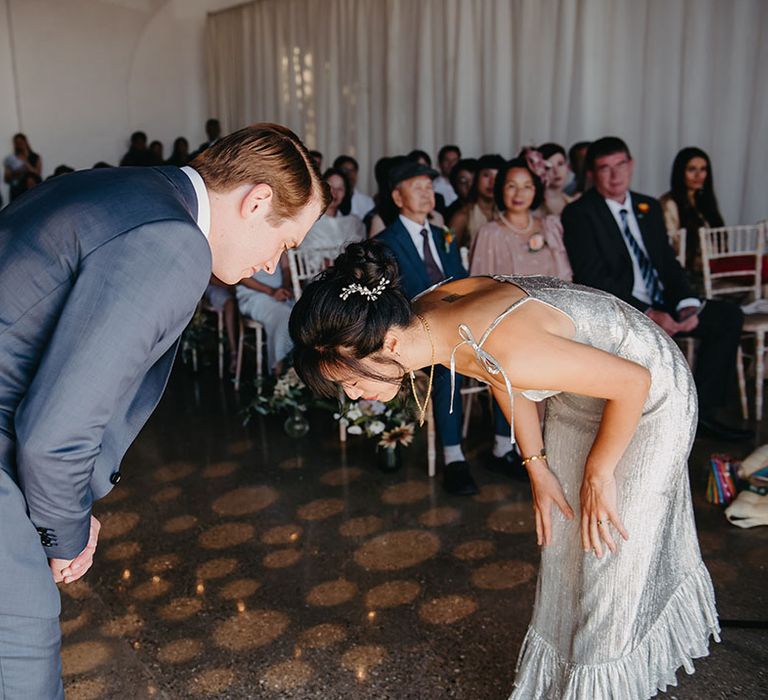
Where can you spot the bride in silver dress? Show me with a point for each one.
(623, 598)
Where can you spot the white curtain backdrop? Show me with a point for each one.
(381, 77)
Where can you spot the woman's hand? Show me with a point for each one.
(546, 492)
(598, 510)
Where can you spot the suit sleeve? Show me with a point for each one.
(129, 294)
(587, 259)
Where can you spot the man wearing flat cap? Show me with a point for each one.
(427, 255)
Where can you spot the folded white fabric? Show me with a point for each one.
(754, 462)
(748, 510)
(759, 306)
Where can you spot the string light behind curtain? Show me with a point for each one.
(380, 77)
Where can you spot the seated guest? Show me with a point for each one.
(361, 203)
(384, 206)
(318, 158)
(386, 213)
(423, 157)
(333, 229)
(555, 199)
(576, 155)
(213, 134)
(519, 242)
(616, 241)
(691, 202)
(481, 205)
(180, 155)
(156, 151)
(18, 164)
(462, 176)
(425, 257)
(31, 180)
(221, 297)
(447, 158)
(61, 170)
(138, 153)
(266, 297)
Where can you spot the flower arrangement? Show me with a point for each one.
(392, 422)
(286, 392)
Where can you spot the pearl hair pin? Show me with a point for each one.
(367, 292)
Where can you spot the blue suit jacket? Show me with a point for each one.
(100, 272)
(413, 272)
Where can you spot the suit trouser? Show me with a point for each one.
(448, 424)
(30, 636)
(719, 333)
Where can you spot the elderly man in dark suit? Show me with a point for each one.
(426, 256)
(100, 272)
(616, 241)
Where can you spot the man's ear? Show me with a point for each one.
(259, 196)
(397, 198)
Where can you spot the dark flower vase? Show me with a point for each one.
(390, 458)
(296, 425)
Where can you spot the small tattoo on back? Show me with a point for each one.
(452, 297)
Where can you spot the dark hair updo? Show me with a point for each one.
(329, 332)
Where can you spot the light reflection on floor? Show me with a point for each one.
(236, 563)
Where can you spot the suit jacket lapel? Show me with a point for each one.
(642, 224)
(610, 226)
(412, 255)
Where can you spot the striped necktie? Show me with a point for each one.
(647, 270)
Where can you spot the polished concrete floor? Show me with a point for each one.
(237, 563)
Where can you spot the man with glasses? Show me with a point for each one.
(616, 241)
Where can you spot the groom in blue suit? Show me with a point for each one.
(100, 272)
(427, 255)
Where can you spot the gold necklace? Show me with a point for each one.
(423, 407)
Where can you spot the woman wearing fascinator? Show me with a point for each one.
(623, 598)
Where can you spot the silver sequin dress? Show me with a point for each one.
(620, 627)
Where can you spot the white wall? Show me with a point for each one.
(89, 72)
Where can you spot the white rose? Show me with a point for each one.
(354, 413)
(376, 427)
(355, 430)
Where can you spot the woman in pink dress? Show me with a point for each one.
(518, 242)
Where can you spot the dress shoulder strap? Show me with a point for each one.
(489, 362)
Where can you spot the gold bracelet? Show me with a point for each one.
(541, 456)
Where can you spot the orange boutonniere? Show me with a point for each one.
(448, 238)
(643, 207)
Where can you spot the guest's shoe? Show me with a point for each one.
(458, 481)
(510, 465)
(714, 428)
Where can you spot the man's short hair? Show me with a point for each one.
(264, 153)
(445, 150)
(342, 160)
(606, 146)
